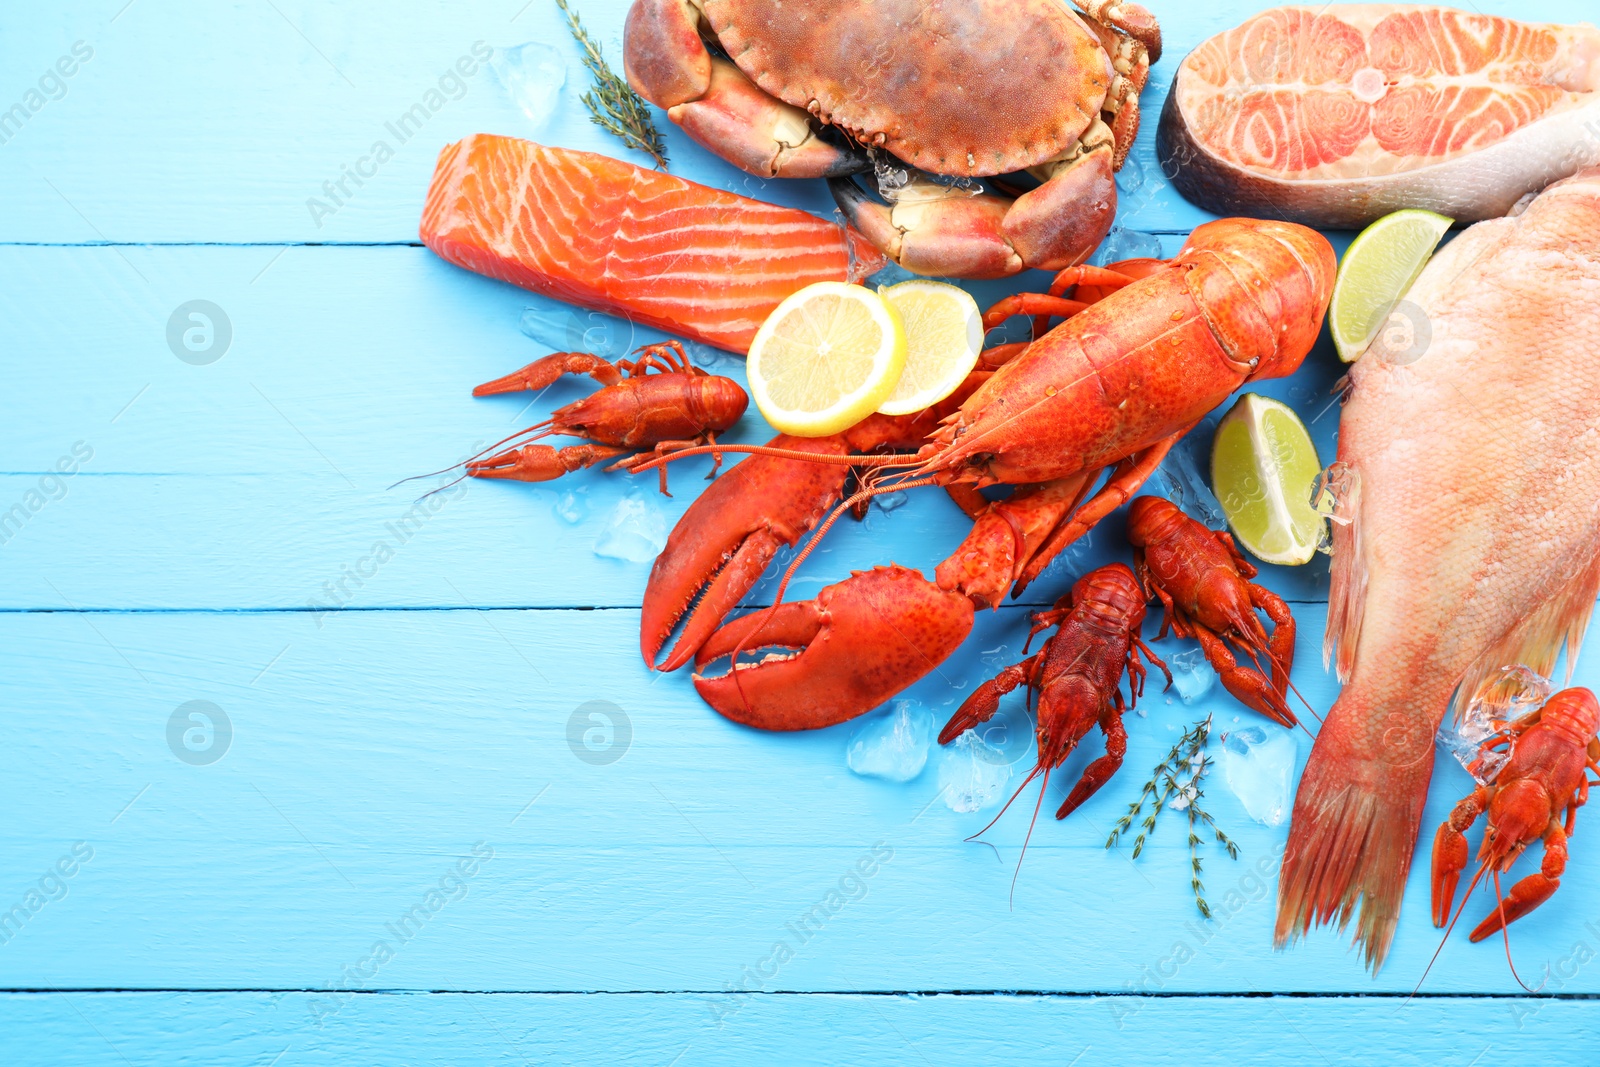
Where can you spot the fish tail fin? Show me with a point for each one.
(1354, 831)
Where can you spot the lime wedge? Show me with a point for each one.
(1377, 269)
(1263, 465)
(825, 359)
(944, 334)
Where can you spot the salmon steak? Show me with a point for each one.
(1334, 116)
(649, 247)
(1473, 490)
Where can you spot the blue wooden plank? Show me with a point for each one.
(223, 125)
(228, 1029)
(267, 470)
(365, 758)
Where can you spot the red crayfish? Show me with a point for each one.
(1078, 677)
(657, 400)
(1535, 796)
(1202, 580)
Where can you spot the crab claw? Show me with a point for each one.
(725, 540)
(827, 660)
(940, 236)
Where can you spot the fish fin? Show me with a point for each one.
(1347, 591)
(1536, 643)
(1351, 840)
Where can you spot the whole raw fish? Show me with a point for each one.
(1475, 541)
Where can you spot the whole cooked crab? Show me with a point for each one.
(958, 88)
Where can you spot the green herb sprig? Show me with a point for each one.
(1182, 772)
(612, 103)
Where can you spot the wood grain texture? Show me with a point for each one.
(348, 369)
(219, 123)
(239, 1029)
(371, 749)
(367, 756)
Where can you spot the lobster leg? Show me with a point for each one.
(541, 463)
(1531, 891)
(985, 700)
(1042, 304)
(543, 372)
(1126, 478)
(1450, 852)
(1099, 772)
(1249, 686)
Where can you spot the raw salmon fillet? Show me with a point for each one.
(655, 249)
(1334, 115)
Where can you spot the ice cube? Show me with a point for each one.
(636, 531)
(705, 356)
(892, 743)
(571, 507)
(892, 273)
(1513, 693)
(1333, 496)
(1131, 177)
(1192, 675)
(1123, 243)
(1182, 471)
(564, 328)
(533, 75)
(972, 774)
(1257, 763)
(889, 501)
(899, 182)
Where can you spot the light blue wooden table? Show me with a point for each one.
(399, 770)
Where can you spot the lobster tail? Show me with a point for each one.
(1356, 818)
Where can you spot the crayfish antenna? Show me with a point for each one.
(1500, 906)
(1457, 918)
(538, 429)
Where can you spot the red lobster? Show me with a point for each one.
(677, 405)
(1202, 581)
(1110, 390)
(1078, 677)
(1542, 781)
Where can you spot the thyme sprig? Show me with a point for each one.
(612, 103)
(1180, 774)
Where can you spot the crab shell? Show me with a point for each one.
(956, 87)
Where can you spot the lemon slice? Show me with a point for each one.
(944, 334)
(1377, 269)
(825, 359)
(1263, 465)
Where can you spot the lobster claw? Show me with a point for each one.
(827, 660)
(726, 538)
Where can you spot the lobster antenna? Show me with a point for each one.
(794, 565)
(480, 455)
(1459, 909)
(1505, 934)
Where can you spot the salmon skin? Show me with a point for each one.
(1474, 545)
(649, 247)
(1332, 116)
